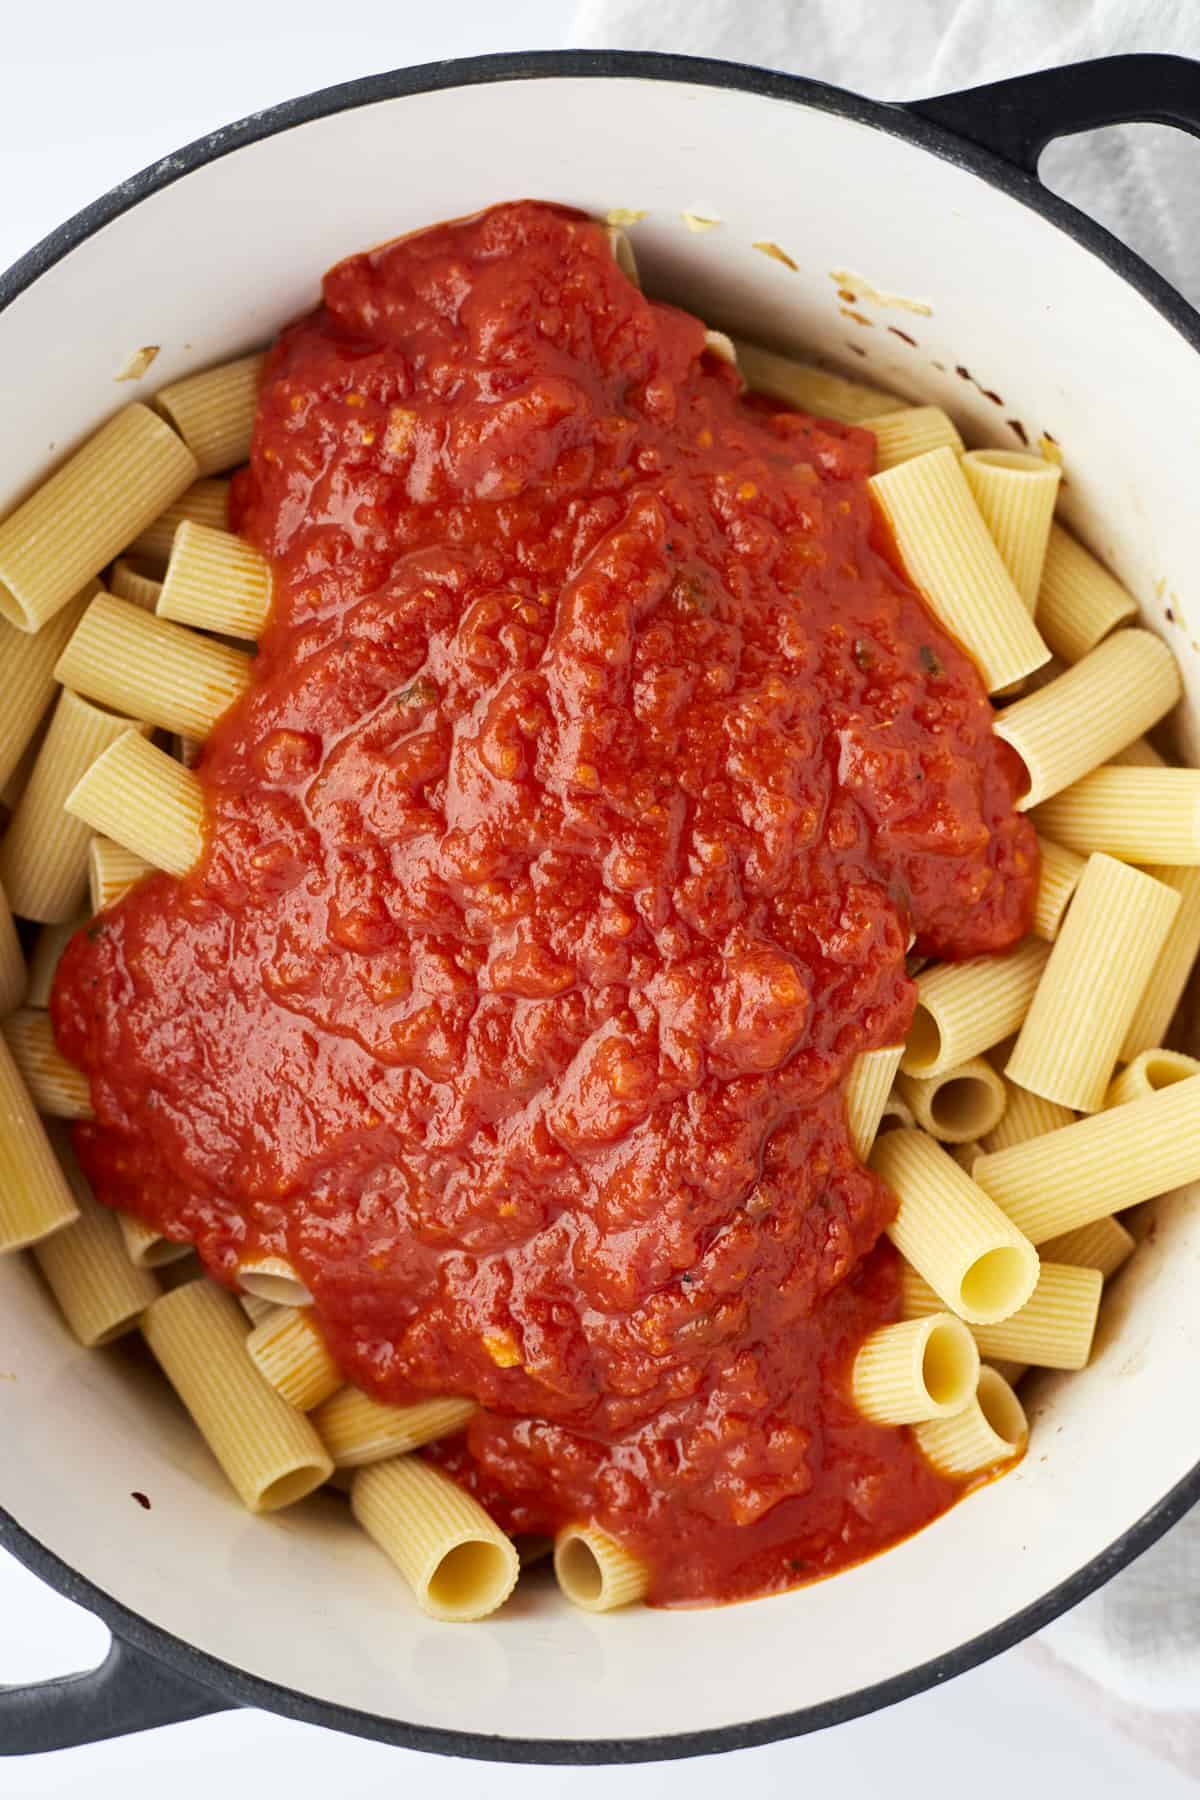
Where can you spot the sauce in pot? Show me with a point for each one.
(564, 854)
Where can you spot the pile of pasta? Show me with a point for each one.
(1033, 1101)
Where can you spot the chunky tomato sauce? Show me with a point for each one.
(565, 852)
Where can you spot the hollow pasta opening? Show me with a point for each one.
(159, 1252)
(1001, 1408)
(293, 1486)
(966, 1107)
(471, 1578)
(924, 1043)
(579, 1573)
(1019, 461)
(949, 1365)
(274, 1284)
(896, 1116)
(1163, 1068)
(117, 1330)
(995, 1284)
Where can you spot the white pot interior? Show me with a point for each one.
(213, 264)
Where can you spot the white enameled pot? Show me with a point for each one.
(1008, 309)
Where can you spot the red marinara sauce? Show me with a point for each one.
(560, 860)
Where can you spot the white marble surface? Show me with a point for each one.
(92, 93)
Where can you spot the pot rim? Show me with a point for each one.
(236, 1684)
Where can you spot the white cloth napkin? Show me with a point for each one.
(1139, 1637)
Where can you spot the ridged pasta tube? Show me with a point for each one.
(1098, 967)
(1078, 601)
(112, 871)
(809, 389)
(59, 1089)
(287, 1347)
(923, 1368)
(273, 1278)
(1162, 993)
(142, 798)
(269, 1451)
(35, 1197)
(1053, 1330)
(867, 1089)
(52, 940)
(946, 1226)
(985, 1435)
(949, 555)
(213, 412)
(1081, 718)
(86, 513)
(1141, 815)
(1026, 1115)
(215, 582)
(595, 1572)
(147, 668)
(968, 1007)
(358, 1429)
(1098, 1165)
(27, 659)
(43, 855)
(1016, 494)
(911, 431)
(100, 1293)
(1058, 877)
(146, 1247)
(961, 1104)
(205, 502)
(459, 1564)
(1104, 1244)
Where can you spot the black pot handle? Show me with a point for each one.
(1016, 119)
(129, 1692)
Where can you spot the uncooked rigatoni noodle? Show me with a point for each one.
(1099, 1165)
(1053, 1330)
(35, 1198)
(1016, 495)
(268, 1450)
(868, 1088)
(48, 947)
(213, 412)
(1091, 711)
(205, 503)
(963, 1103)
(1079, 602)
(44, 850)
(59, 1089)
(1097, 971)
(952, 1233)
(147, 668)
(942, 538)
(216, 582)
(986, 1435)
(1059, 877)
(139, 798)
(62, 536)
(811, 389)
(911, 431)
(965, 1008)
(1142, 815)
(100, 1293)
